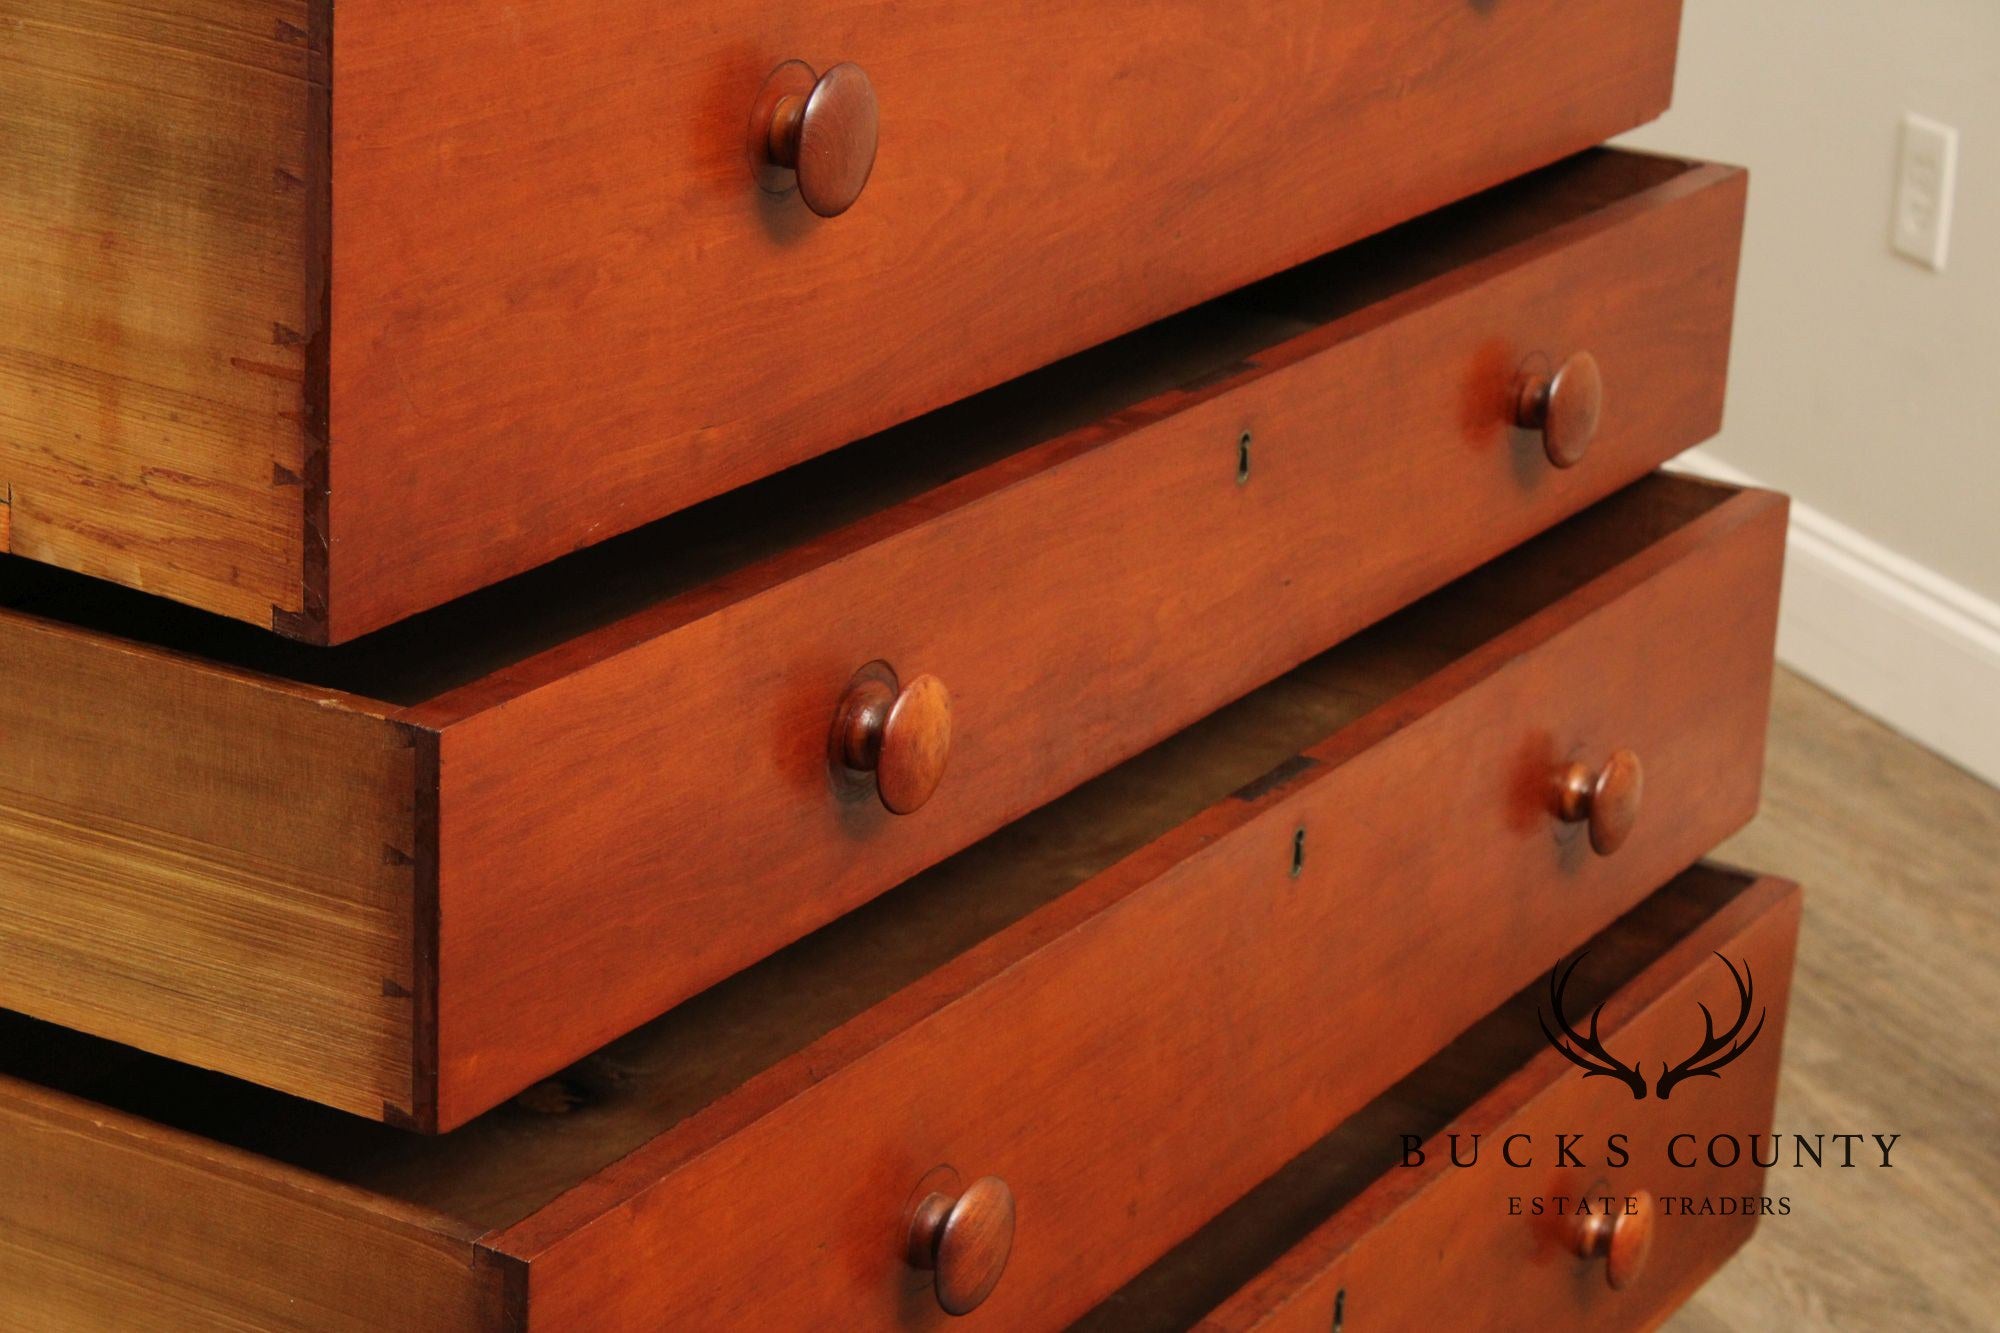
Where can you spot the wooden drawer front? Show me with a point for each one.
(1128, 1048)
(1077, 616)
(404, 819)
(1433, 884)
(465, 295)
(1438, 1246)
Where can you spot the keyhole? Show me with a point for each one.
(1339, 1309)
(1243, 459)
(1298, 853)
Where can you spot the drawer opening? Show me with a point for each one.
(510, 1162)
(360, 874)
(534, 348)
(598, 601)
(1240, 1244)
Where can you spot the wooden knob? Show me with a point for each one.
(1623, 1242)
(900, 733)
(965, 1241)
(816, 133)
(1606, 798)
(1564, 407)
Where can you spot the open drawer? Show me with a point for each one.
(1113, 1017)
(320, 313)
(1570, 1203)
(409, 876)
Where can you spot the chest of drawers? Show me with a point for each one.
(851, 665)
(1305, 890)
(353, 874)
(321, 314)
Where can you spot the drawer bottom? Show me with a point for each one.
(1570, 1199)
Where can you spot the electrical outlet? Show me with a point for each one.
(1926, 175)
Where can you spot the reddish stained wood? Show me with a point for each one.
(965, 1240)
(1435, 1247)
(898, 733)
(628, 806)
(978, 1068)
(1081, 601)
(467, 294)
(564, 311)
(1071, 1053)
(445, 336)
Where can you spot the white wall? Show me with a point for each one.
(1862, 383)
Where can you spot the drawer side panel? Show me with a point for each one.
(213, 870)
(156, 239)
(108, 1222)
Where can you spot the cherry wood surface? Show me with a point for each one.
(1049, 175)
(1126, 1008)
(319, 321)
(1085, 1075)
(1091, 599)
(1347, 1226)
(618, 787)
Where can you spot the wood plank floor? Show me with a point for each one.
(1895, 1029)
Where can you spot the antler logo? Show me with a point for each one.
(1587, 1051)
(1716, 1051)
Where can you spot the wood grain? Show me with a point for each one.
(580, 288)
(110, 1222)
(1899, 849)
(158, 264)
(1050, 1007)
(1435, 1246)
(1898, 846)
(981, 1072)
(134, 1224)
(1081, 600)
(1073, 556)
(213, 868)
(309, 327)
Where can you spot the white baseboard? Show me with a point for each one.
(1893, 638)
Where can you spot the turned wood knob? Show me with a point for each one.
(965, 1241)
(1606, 798)
(1623, 1242)
(816, 132)
(1564, 407)
(900, 733)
